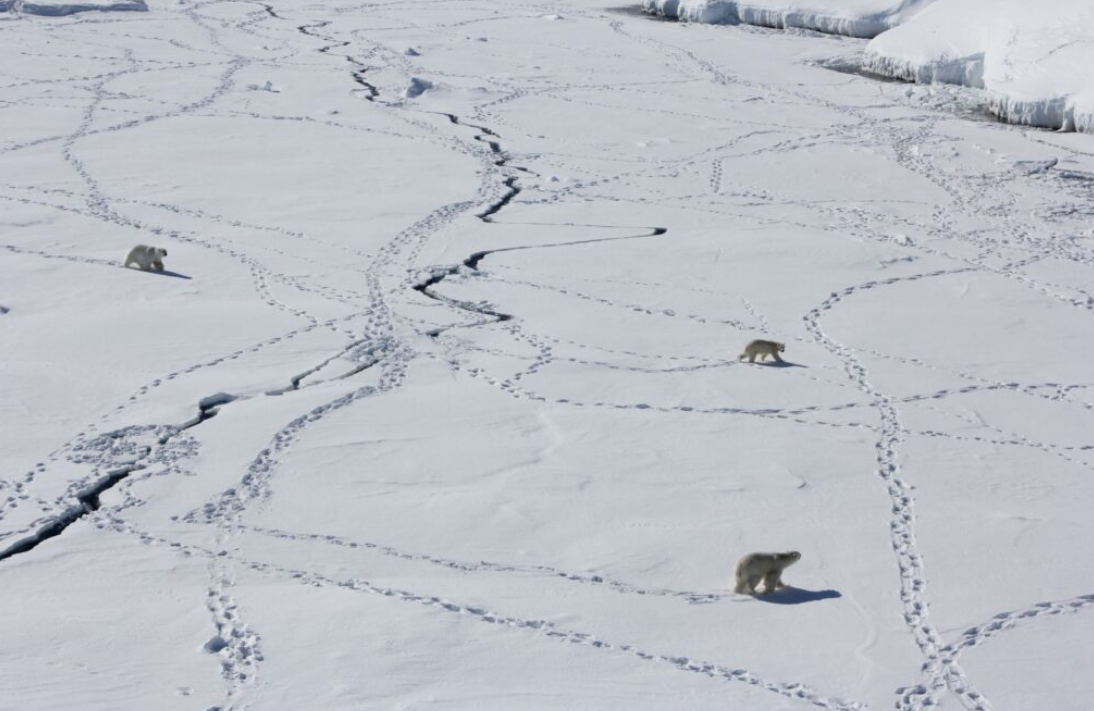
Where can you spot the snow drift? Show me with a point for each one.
(55, 9)
(1037, 67)
(856, 18)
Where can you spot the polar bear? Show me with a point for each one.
(146, 257)
(762, 348)
(766, 566)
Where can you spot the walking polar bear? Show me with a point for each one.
(768, 567)
(763, 349)
(146, 258)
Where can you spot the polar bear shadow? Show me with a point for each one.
(797, 596)
(164, 273)
(779, 364)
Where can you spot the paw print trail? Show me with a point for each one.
(385, 289)
(491, 567)
(941, 672)
(236, 664)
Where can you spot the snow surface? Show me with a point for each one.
(1037, 67)
(54, 8)
(438, 403)
(856, 18)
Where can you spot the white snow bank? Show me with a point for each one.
(1037, 66)
(856, 18)
(46, 7)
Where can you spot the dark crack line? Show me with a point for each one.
(88, 498)
(358, 74)
(512, 190)
(271, 12)
(472, 262)
(296, 382)
(437, 277)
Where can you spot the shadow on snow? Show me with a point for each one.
(797, 596)
(779, 364)
(165, 273)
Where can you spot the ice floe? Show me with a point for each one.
(856, 18)
(1036, 67)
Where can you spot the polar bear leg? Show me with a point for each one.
(747, 583)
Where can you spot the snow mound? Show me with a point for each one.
(417, 87)
(1037, 67)
(855, 18)
(216, 399)
(56, 9)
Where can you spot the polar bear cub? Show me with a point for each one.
(768, 567)
(763, 349)
(146, 257)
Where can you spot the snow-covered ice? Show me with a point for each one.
(1037, 66)
(56, 8)
(438, 403)
(856, 18)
